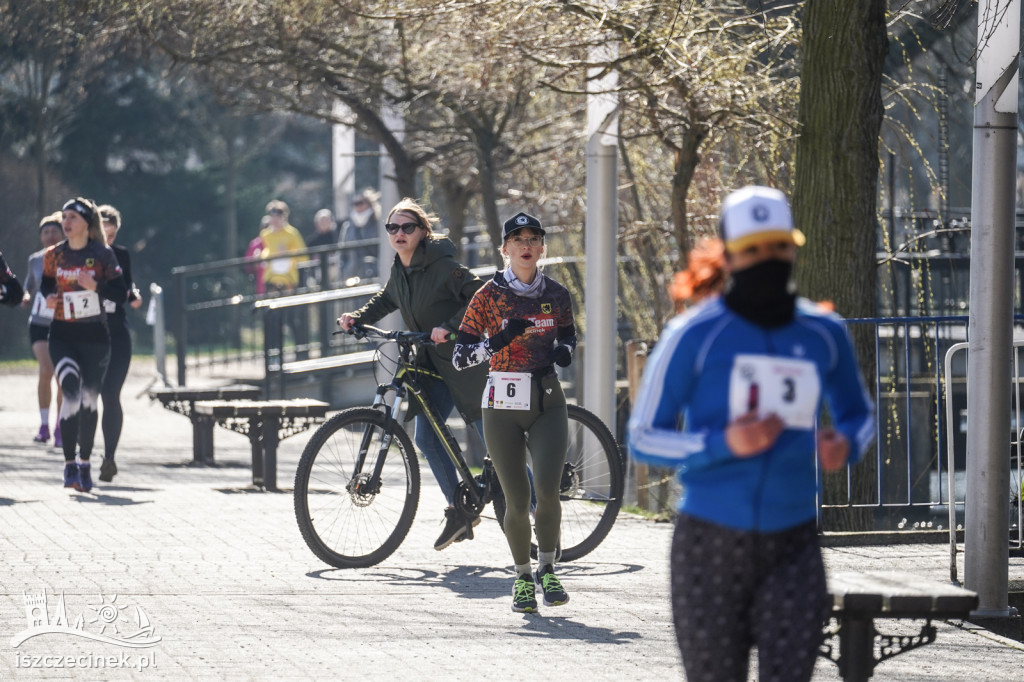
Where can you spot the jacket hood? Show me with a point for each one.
(431, 250)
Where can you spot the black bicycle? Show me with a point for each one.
(358, 482)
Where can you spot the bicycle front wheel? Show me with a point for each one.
(348, 517)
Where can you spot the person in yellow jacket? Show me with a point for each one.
(281, 275)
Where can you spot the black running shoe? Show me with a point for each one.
(554, 593)
(524, 595)
(455, 527)
(108, 470)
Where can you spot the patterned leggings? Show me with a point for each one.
(79, 368)
(732, 590)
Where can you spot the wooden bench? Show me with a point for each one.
(182, 400)
(266, 423)
(327, 366)
(859, 598)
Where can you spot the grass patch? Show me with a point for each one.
(664, 516)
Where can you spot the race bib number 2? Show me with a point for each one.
(81, 304)
(788, 387)
(507, 391)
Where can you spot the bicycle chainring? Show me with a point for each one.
(465, 502)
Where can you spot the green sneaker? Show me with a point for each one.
(524, 596)
(554, 593)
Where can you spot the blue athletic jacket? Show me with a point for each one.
(683, 408)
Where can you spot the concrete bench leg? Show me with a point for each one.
(202, 439)
(856, 648)
(255, 441)
(270, 440)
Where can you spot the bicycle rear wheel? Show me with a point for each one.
(591, 487)
(345, 519)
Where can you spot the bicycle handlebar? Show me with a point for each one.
(361, 331)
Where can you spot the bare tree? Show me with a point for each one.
(50, 52)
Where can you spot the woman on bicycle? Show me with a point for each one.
(431, 290)
(521, 323)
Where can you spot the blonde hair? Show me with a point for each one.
(54, 218)
(95, 230)
(109, 214)
(410, 206)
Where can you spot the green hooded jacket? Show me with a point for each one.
(434, 291)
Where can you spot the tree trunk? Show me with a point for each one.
(489, 197)
(456, 196)
(835, 188)
(684, 165)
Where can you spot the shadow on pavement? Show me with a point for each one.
(561, 627)
(111, 500)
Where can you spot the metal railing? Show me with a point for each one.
(957, 487)
(920, 447)
(213, 320)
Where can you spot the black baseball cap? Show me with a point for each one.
(520, 221)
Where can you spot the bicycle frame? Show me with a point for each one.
(403, 382)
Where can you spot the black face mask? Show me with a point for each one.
(763, 293)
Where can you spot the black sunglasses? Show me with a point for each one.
(407, 228)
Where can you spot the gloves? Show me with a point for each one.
(561, 356)
(513, 328)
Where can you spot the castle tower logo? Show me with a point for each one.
(108, 621)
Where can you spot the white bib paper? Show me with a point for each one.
(507, 391)
(281, 266)
(787, 387)
(39, 308)
(79, 305)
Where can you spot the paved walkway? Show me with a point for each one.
(231, 591)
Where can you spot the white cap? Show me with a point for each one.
(757, 214)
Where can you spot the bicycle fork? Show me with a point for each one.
(367, 486)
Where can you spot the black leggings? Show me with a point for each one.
(732, 590)
(79, 367)
(117, 372)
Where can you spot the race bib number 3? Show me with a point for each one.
(507, 391)
(79, 305)
(767, 385)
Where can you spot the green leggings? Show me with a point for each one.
(545, 432)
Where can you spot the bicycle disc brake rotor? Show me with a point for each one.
(569, 487)
(360, 492)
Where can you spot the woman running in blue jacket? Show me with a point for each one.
(731, 397)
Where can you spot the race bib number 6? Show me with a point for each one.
(81, 304)
(767, 385)
(507, 391)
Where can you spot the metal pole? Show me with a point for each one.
(601, 280)
(181, 327)
(343, 161)
(155, 318)
(602, 234)
(986, 541)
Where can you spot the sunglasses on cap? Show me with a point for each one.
(406, 228)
